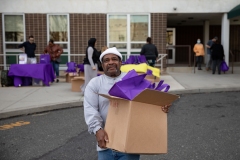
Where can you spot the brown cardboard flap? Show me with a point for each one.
(83, 78)
(155, 97)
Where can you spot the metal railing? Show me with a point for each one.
(232, 59)
(162, 56)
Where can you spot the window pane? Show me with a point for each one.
(12, 46)
(137, 45)
(64, 46)
(119, 46)
(58, 25)
(13, 25)
(170, 37)
(139, 27)
(118, 28)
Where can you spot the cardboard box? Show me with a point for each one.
(138, 126)
(76, 83)
(70, 76)
(81, 73)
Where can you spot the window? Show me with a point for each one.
(14, 30)
(118, 31)
(139, 30)
(128, 32)
(58, 29)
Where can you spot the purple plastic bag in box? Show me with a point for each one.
(161, 86)
(130, 74)
(149, 72)
(81, 67)
(129, 88)
(130, 60)
(71, 67)
(141, 59)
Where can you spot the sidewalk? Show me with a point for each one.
(29, 100)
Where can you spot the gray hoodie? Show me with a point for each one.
(95, 106)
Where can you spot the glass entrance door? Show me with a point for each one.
(170, 49)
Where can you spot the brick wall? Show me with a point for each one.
(82, 28)
(1, 42)
(158, 32)
(36, 25)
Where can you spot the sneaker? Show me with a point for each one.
(199, 68)
(57, 80)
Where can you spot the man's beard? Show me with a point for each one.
(113, 73)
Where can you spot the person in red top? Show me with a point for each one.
(55, 52)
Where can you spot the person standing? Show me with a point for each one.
(199, 50)
(96, 106)
(217, 56)
(28, 47)
(209, 60)
(55, 52)
(150, 51)
(90, 62)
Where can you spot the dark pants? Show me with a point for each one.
(216, 64)
(55, 67)
(199, 61)
(151, 62)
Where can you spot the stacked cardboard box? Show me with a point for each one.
(70, 76)
(77, 82)
(81, 73)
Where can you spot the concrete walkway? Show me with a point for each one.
(28, 100)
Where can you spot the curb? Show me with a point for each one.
(80, 103)
(45, 108)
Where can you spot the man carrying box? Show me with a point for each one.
(96, 106)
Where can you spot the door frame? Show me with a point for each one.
(172, 61)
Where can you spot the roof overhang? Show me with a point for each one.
(235, 12)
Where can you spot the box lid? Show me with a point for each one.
(155, 97)
(150, 96)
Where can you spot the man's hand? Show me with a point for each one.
(102, 138)
(165, 108)
(22, 49)
(94, 68)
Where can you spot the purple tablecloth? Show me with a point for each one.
(43, 72)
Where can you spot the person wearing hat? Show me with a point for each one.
(209, 59)
(96, 106)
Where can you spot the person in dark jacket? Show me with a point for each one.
(28, 47)
(150, 51)
(217, 55)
